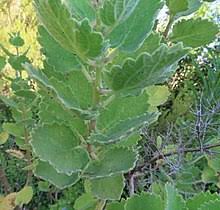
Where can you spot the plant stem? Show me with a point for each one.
(100, 205)
(168, 26)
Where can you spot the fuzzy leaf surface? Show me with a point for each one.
(108, 163)
(198, 200)
(144, 201)
(48, 173)
(130, 22)
(122, 117)
(194, 32)
(59, 145)
(146, 70)
(108, 188)
(76, 37)
(173, 199)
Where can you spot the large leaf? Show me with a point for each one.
(144, 201)
(194, 32)
(108, 163)
(46, 172)
(130, 22)
(122, 117)
(78, 38)
(146, 70)
(63, 60)
(108, 188)
(198, 200)
(59, 145)
(173, 199)
(116, 205)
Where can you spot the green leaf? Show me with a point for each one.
(121, 118)
(76, 37)
(65, 154)
(81, 9)
(201, 198)
(212, 205)
(62, 60)
(66, 91)
(209, 175)
(86, 202)
(144, 201)
(16, 40)
(133, 22)
(150, 44)
(116, 205)
(24, 196)
(48, 173)
(146, 70)
(108, 188)
(176, 6)
(2, 62)
(194, 32)
(108, 163)
(15, 129)
(173, 199)
(17, 61)
(3, 137)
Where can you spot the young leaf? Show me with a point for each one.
(108, 188)
(64, 154)
(47, 172)
(133, 22)
(146, 70)
(173, 199)
(24, 196)
(76, 37)
(201, 198)
(144, 201)
(108, 163)
(194, 32)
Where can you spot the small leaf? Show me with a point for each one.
(43, 186)
(109, 164)
(103, 189)
(24, 196)
(173, 199)
(16, 40)
(3, 137)
(46, 172)
(194, 32)
(144, 201)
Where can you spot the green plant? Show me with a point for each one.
(102, 81)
